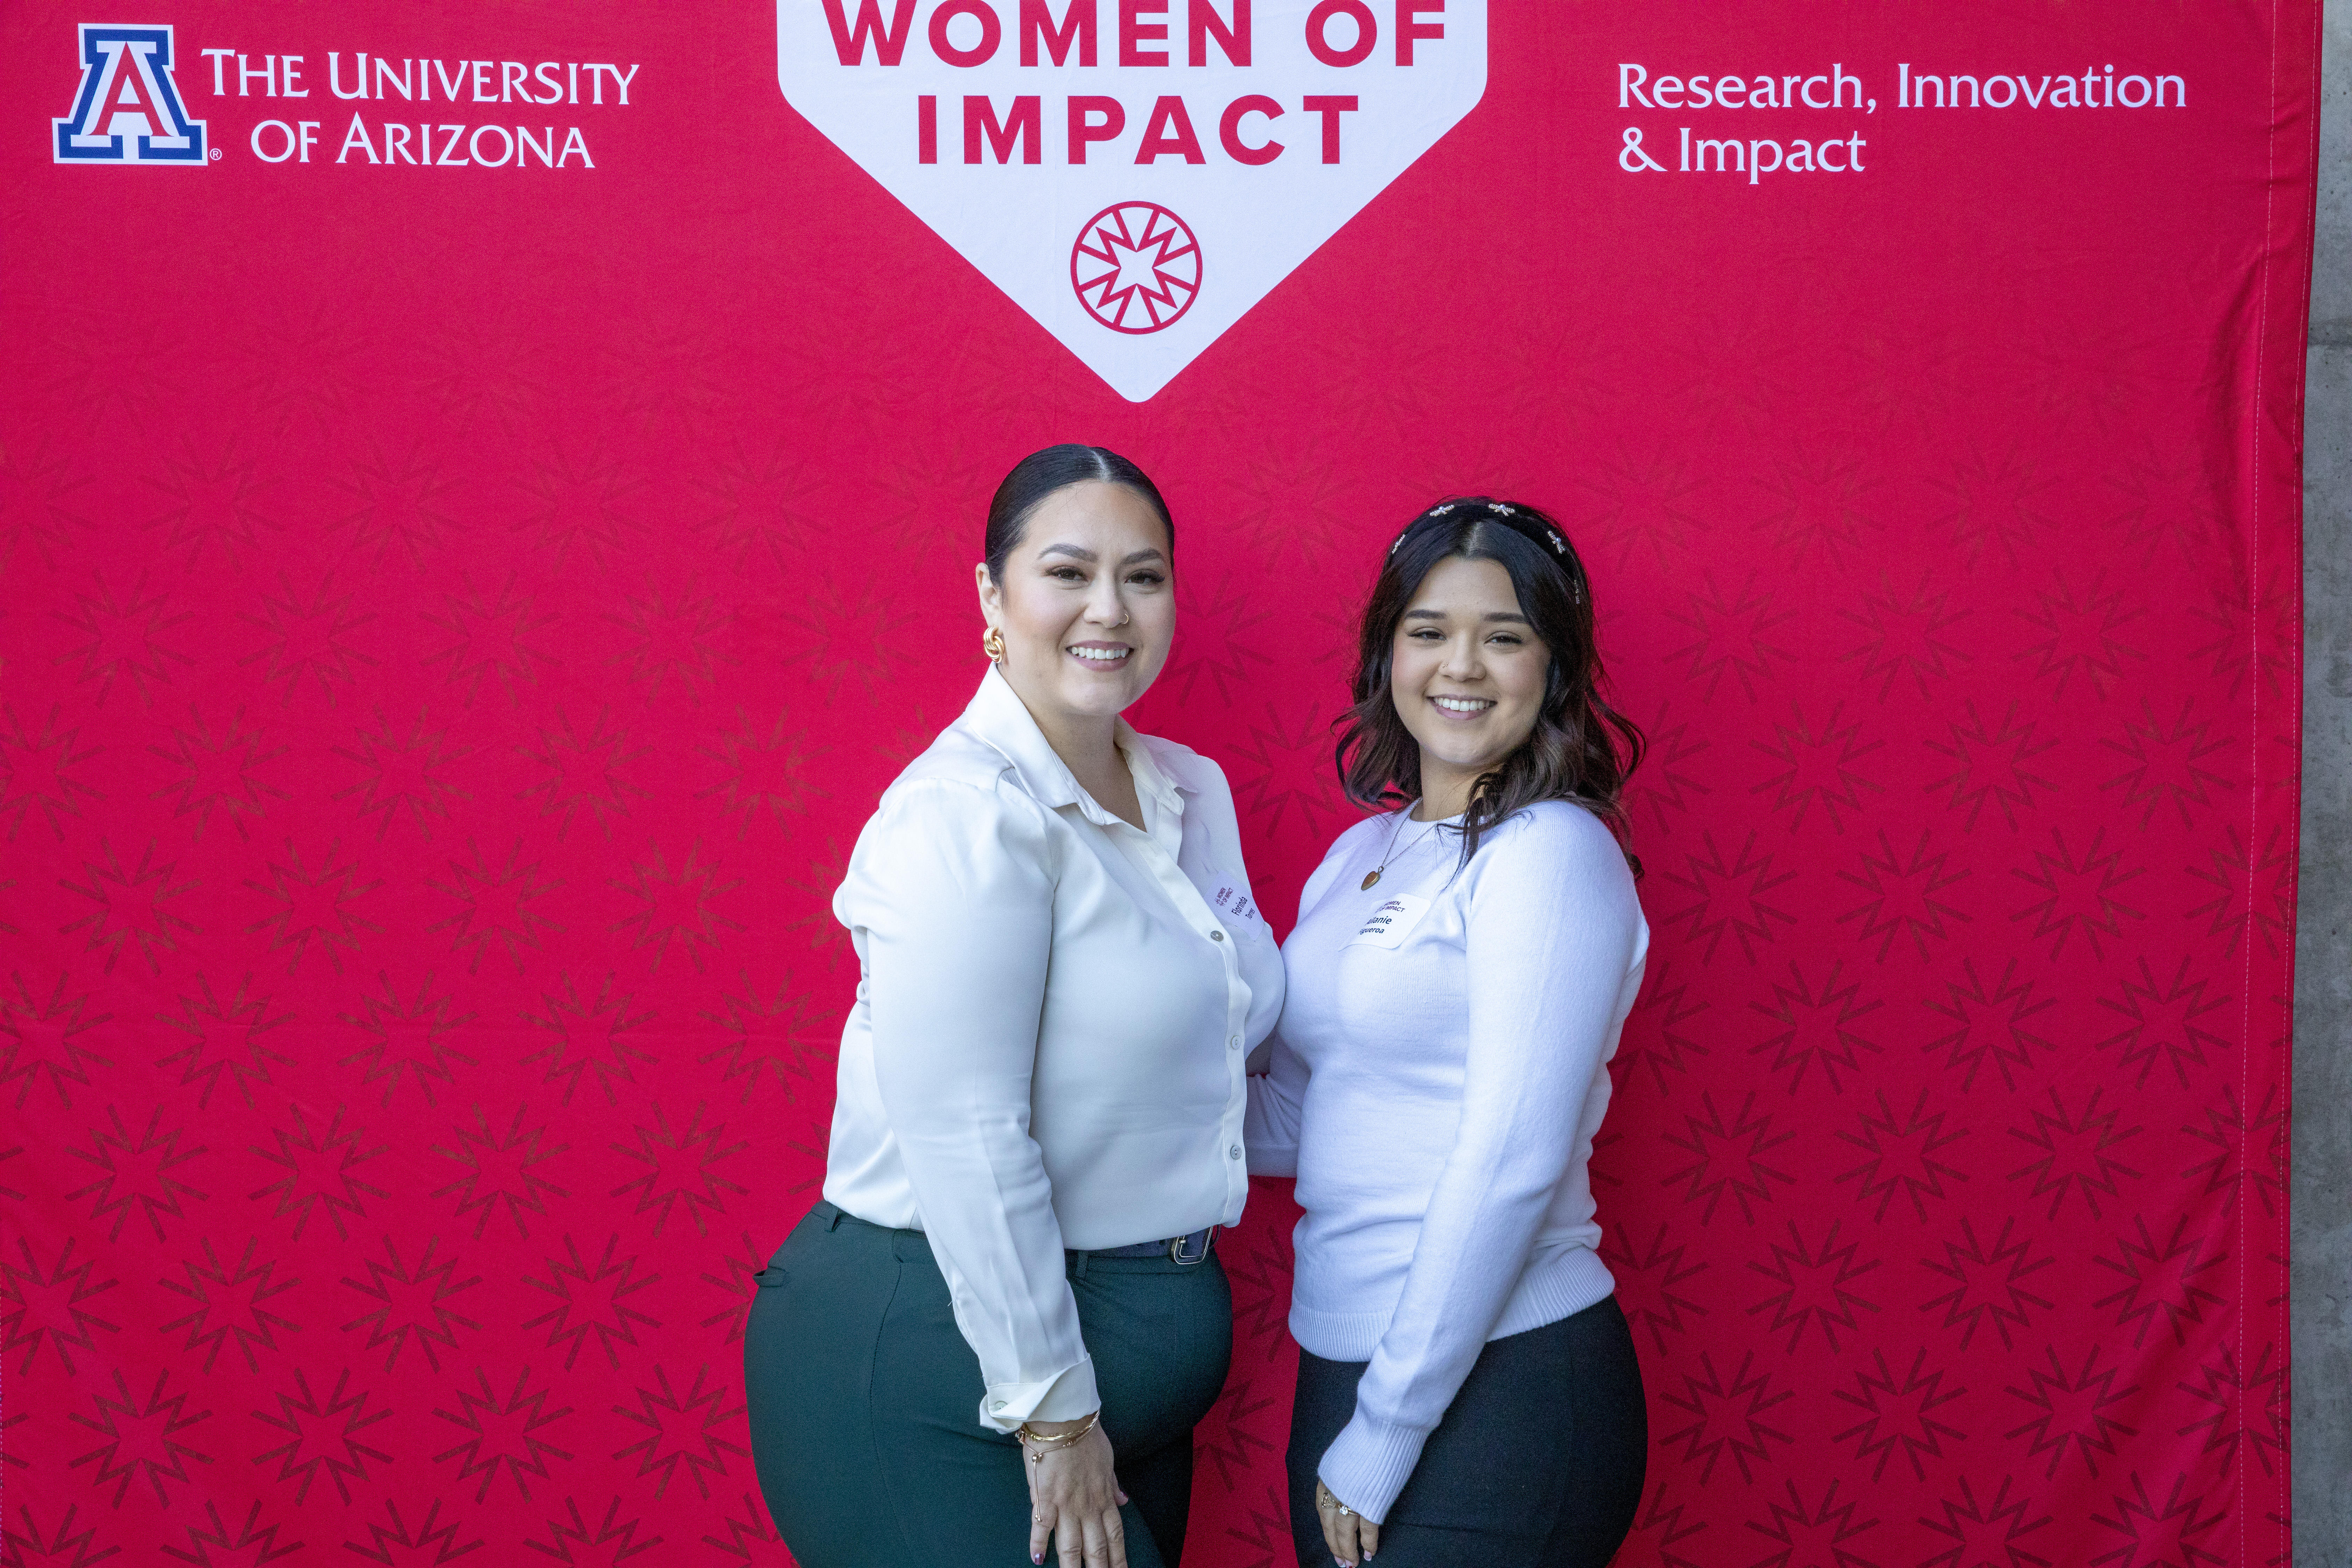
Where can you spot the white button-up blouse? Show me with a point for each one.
(1053, 1013)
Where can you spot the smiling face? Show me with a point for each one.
(1086, 605)
(1466, 674)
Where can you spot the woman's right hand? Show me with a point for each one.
(1074, 1497)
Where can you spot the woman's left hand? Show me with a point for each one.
(1350, 1536)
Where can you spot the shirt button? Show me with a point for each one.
(1234, 1153)
(1234, 1042)
(1216, 936)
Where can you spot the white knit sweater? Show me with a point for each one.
(1435, 1081)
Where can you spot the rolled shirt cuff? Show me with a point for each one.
(1369, 1463)
(1068, 1395)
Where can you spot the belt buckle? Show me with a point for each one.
(1176, 1247)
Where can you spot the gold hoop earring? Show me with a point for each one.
(992, 645)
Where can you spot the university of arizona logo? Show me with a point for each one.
(129, 108)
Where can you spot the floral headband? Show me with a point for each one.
(1542, 535)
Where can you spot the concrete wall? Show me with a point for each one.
(2322, 989)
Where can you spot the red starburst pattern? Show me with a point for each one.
(149, 1171)
(1726, 1157)
(416, 1304)
(224, 1036)
(230, 1304)
(55, 1307)
(318, 1171)
(2173, 1280)
(406, 1041)
(1660, 1034)
(2075, 1152)
(1827, 1531)
(505, 1433)
(2242, 1151)
(41, 773)
(610, 1534)
(1898, 1415)
(1908, 1154)
(594, 1035)
(2176, 1532)
(687, 1427)
(214, 1545)
(500, 1170)
(1816, 1023)
(442, 684)
(67, 1541)
(774, 1039)
(47, 1041)
(2072, 1412)
(1712, 1416)
(677, 1169)
(1713, 895)
(592, 1298)
(1657, 1284)
(1988, 1282)
(1985, 1532)
(310, 901)
(140, 1440)
(1989, 1023)
(133, 908)
(2243, 1406)
(1814, 1287)
(426, 1538)
(321, 1433)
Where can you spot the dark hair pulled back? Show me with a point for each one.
(1040, 475)
(1580, 749)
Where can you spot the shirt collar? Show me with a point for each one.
(998, 718)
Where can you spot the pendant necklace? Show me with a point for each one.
(1374, 875)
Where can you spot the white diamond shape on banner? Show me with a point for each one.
(1183, 214)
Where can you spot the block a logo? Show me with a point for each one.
(129, 108)
(1135, 174)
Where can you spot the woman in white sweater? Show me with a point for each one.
(1461, 967)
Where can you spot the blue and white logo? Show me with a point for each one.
(129, 108)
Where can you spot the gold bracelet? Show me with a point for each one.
(1048, 1443)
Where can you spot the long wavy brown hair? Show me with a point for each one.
(1580, 749)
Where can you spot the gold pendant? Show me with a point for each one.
(1371, 877)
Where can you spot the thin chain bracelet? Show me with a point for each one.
(1039, 1445)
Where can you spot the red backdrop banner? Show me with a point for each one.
(487, 498)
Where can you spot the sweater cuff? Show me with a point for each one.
(1369, 1463)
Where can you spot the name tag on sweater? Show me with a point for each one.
(1391, 921)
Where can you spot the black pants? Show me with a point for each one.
(864, 1400)
(1538, 1463)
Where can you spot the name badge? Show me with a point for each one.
(1234, 904)
(1391, 921)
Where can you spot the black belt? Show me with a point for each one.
(1184, 1250)
(1181, 1250)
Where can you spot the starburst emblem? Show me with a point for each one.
(1136, 267)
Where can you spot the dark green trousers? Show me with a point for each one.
(864, 1400)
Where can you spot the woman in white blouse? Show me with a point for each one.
(1004, 1318)
(1467, 1387)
